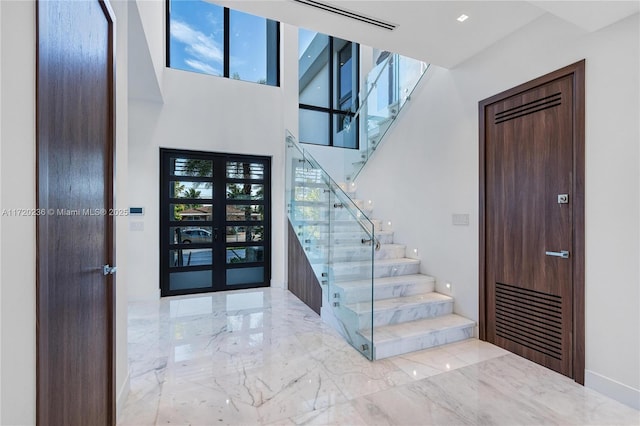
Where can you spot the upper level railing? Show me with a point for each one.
(388, 87)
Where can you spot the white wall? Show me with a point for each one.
(289, 75)
(145, 83)
(121, 201)
(17, 190)
(152, 15)
(18, 233)
(427, 169)
(206, 113)
(1, 204)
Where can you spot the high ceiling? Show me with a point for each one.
(429, 30)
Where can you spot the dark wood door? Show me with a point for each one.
(75, 118)
(529, 207)
(215, 219)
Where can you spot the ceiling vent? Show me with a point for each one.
(348, 14)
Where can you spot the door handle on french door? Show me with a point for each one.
(215, 234)
(109, 270)
(563, 254)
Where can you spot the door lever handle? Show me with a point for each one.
(109, 270)
(563, 254)
(215, 234)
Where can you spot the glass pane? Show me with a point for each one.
(247, 47)
(181, 189)
(184, 235)
(243, 170)
(345, 76)
(191, 167)
(190, 257)
(190, 212)
(346, 134)
(245, 254)
(196, 37)
(239, 191)
(190, 279)
(236, 213)
(314, 127)
(313, 68)
(245, 275)
(241, 234)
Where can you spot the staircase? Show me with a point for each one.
(405, 314)
(372, 293)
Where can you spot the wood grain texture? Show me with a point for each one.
(302, 280)
(531, 150)
(75, 131)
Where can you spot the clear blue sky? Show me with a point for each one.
(197, 40)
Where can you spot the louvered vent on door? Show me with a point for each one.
(530, 318)
(529, 108)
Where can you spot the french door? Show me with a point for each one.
(215, 217)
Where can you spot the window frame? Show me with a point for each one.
(333, 111)
(226, 42)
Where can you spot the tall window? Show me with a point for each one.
(328, 84)
(215, 40)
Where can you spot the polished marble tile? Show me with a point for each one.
(341, 414)
(261, 357)
(507, 390)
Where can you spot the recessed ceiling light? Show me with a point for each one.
(462, 18)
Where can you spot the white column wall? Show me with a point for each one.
(0, 211)
(18, 243)
(152, 14)
(121, 9)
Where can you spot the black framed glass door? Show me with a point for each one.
(215, 215)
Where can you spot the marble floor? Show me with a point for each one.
(261, 357)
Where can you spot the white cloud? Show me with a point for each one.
(201, 66)
(198, 44)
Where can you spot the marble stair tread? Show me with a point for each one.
(316, 183)
(349, 251)
(328, 202)
(353, 242)
(341, 222)
(346, 237)
(398, 303)
(358, 245)
(350, 271)
(382, 262)
(397, 332)
(387, 281)
(385, 287)
(339, 226)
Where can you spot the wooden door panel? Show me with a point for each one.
(531, 166)
(75, 148)
(528, 160)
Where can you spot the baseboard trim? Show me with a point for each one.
(123, 393)
(613, 389)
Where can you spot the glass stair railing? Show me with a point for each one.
(337, 236)
(331, 229)
(388, 87)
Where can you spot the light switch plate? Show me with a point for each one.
(460, 219)
(136, 226)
